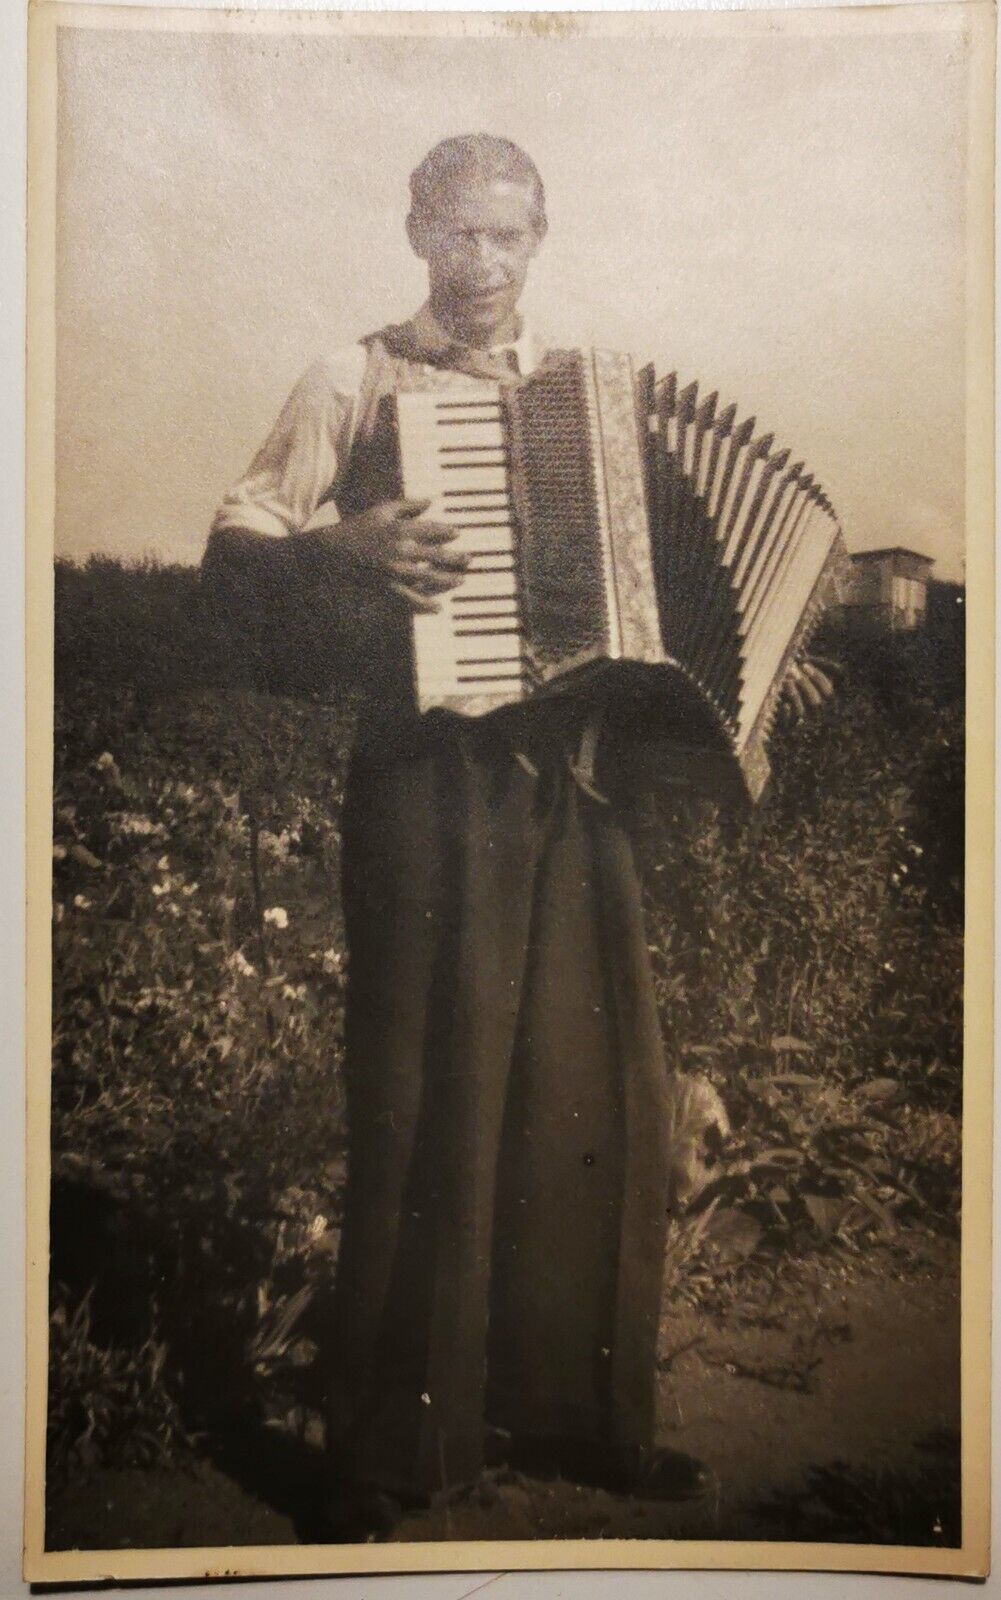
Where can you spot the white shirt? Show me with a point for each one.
(307, 449)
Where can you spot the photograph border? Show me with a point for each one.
(971, 1560)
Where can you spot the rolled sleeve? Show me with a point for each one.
(301, 459)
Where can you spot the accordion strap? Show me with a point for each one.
(582, 768)
(580, 763)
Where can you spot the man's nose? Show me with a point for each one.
(486, 250)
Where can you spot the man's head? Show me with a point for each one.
(477, 217)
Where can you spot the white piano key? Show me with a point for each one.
(471, 514)
(463, 461)
(497, 611)
(483, 541)
(487, 516)
(453, 434)
(489, 584)
(498, 675)
(471, 650)
(472, 481)
(479, 397)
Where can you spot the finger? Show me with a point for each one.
(411, 514)
(821, 682)
(409, 568)
(811, 674)
(416, 602)
(795, 699)
(434, 533)
(406, 508)
(435, 582)
(803, 687)
(836, 668)
(422, 577)
(445, 579)
(423, 539)
(451, 560)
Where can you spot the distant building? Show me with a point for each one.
(889, 588)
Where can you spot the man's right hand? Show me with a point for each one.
(413, 554)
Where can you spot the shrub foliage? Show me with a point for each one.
(808, 960)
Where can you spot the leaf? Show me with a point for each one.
(734, 1234)
(83, 857)
(758, 1085)
(786, 1044)
(880, 1089)
(882, 1216)
(700, 1224)
(826, 1214)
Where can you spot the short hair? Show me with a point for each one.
(480, 156)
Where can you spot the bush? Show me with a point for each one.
(107, 1405)
(808, 959)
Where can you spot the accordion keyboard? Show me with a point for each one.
(454, 452)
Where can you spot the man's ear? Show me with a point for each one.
(417, 233)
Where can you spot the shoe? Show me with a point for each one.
(669, 1475)
(355, 1514)
(653, 1474)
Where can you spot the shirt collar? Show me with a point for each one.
(430, 333)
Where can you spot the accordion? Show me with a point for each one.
(619, 528)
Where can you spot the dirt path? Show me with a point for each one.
(832, 1412)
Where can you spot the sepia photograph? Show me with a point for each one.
(510, 582)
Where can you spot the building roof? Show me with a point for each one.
(892, 550)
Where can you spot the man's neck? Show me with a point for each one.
(506, 332)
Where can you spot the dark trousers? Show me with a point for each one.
(502, 1246)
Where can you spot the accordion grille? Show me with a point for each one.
(559, 496)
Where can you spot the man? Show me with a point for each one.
(500, 1268)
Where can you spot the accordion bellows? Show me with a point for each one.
(619, 532)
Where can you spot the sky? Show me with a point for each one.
(779, 216)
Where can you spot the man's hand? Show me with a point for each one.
(413, 554)
(808, 685)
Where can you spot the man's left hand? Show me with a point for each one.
(809, 684)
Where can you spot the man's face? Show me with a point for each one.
(478, 244)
